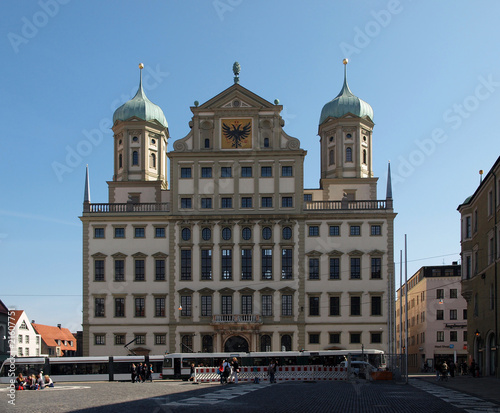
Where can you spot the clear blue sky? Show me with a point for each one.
(430, 70)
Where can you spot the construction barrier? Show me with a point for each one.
(283, 374)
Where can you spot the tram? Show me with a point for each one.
(178, 365)
(79, 369)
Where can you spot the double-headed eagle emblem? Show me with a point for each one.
(236, 133)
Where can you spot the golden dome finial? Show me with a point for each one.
(345, 61)
(141, 66)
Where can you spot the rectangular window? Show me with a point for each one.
(355, 268)
(119, 232)
(308, 197)
(377, 268)
(246, 202)
(355, 338)
(335, 268)
(186, 301)
(267, 202)
(139, 270)
(206, 203)
(119, 270)
(334, 230)
(227, 264)
(140, 309)
(440, 336)
(464, 314)
(185, 172)
(453, 315)
(453, 293)
(185, 265)
(313, 306)
(453, 336)
(98, 232)
(314, 268)
(225, 172)
(140, 339)
(99, 307)
(227, 304)
(286, 171)
(206, 264)
(99, 270)
(286, 305)
(334, 305)
(160, 270)
(286, 263)
(439, 314)
(246, 304)
(376, 305)
(160, 307)
(266, 171)
(313, 230)
(226, 203)
(206, 172)
(267, 305)
(439, 293)
(267, 263)
(186, 203)
(160, 232)
(246, 171)
(313, 338)
(376, 230)
(119, 339)
(100, 339)
(334, 338)
(139, 232)
(376, 338)
(464, 336)
(120, 307)
(355, 230)
(206, 305)
(287, 202)
(246, 264)
(160, 339)
(355, 305)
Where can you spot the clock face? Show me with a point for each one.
(236, 133)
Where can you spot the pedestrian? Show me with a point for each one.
(191, 377)
(444, 371)
(226, 370)
(150, 373)
(133, 372)
(48, 381)
(40, 382)
(451, 366)
(138, 372)
(220, 370)
(235, 370)
(271, 371)
(473, 368)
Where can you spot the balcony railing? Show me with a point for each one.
(347, 205)
(127, 207)
(236, 318)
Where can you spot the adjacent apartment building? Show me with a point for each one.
(437, 318)
(27, 341)
(234, 254)
(480, 258)
(56, 340)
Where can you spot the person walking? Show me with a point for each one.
(451, 366)
(132, 373)
(473, 368)
(235, 370)
(271, 371)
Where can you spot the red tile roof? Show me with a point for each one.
(51, 334)
(16, 314)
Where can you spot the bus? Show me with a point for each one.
(80, 369)
(178, 365)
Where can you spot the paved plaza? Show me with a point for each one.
(420, 395)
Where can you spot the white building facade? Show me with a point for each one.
(234, 254)
(27, 341)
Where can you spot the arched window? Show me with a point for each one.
(286, 342)
(120, 161)
(331, 157)
(207, 344)
(135, 158)
(187, 344)
(364, 156)
(348, 155)
(207, 143)
(265, 343)
(153, 160)
(266, 142)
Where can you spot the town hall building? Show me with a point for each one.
(234, 254)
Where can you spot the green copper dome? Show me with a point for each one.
(140, 106)
(345, 102)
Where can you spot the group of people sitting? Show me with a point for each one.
(141, 372)
(33, 382)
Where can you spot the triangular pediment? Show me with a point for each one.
(356, 253)
(237, 97)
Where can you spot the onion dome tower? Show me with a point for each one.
(345, 130)
(141, 133)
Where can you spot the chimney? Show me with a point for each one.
(59, 326)
(32, 321)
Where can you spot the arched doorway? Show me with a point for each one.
(491, 355)
(236, 344)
